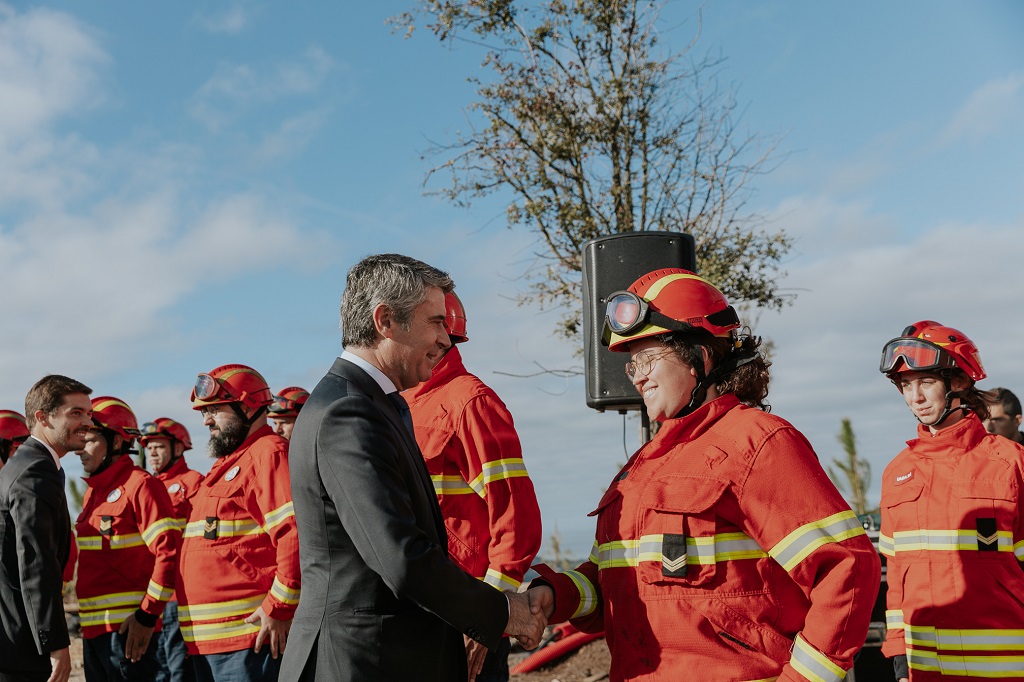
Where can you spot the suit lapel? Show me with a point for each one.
(372, 389)
(33, 448)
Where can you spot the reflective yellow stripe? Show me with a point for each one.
(237, 607)
(105, 617)
(498, 470)
(225, 528)
(501, 581)
(886, 546)
(150, 534)
(993, 667)
(95, 542)
(107, 600)
(796, 546)
(948, 541)
(588, 594)
(945, 639)
(278, 516)
(894, 619)
(446, 484)
(699, 551)
(283, 593)
(222, 630)
(159, 592)
(813, 664)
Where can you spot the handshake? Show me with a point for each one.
(528, 614)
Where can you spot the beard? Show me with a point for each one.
(228, 437)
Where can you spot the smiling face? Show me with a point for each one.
(65, 430)
(409, 352)
(667, 385)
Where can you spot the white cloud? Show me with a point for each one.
(291, 137)
(230, 20)
(231, 92)
(995, 107)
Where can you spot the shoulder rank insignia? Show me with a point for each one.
(673, 555)
(106, 525)
(210, 528)
(988, 538)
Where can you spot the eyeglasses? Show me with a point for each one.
(209, 410)
(917, 354)
(643, 362)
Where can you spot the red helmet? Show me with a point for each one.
(162, 427)
(231, 384)
(455, 318)
(12, 426)
(665, 301)
(114, 415)
(288, 402)
(929, 346)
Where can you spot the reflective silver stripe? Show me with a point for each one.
(104, 617)
(705, 550)
(113, 599)
(1000, 667)
(223, 630)
(158, 592)
(1018, 550)
(283, 593)
(278, 516)
(964, 640)
(237, 607)
(796, 546)
(150, 534)
(588, 594)
(501, 581)
(813, 664)
(95, 542)
(885, 545)
(498, 470)
(450, 485)
(946, 541)
(225, 528)
(894, 619)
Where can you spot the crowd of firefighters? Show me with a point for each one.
(720, 542)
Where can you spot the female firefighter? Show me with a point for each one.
(952, 523)
(722, 549)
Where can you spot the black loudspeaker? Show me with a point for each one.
(611, 264)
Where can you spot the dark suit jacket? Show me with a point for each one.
(35, 531)
(380, 598)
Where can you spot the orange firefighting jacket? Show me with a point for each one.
(953, 536)
(724, 551)
(128, 547)
(475, 461)
(240, 548)
(181, 483)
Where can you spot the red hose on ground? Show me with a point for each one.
(567, 640)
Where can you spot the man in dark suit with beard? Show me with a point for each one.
(381, 600)
(35, 532)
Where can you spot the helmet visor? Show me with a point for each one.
(625, 312)
(917, 354)
(281, 404)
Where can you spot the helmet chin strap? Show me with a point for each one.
(705, 381)
(948, 409)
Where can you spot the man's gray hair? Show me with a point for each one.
(399, 282)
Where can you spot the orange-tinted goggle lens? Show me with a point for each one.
(916, 355)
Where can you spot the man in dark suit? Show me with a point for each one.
(35, 533)
(381, 600)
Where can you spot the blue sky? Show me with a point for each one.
(185, 184)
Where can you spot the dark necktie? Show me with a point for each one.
(403, 411)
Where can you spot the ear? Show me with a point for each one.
(179, 449)
(1017, 419)
(117, 442)
(707, 359)
(42, 418)
(384, 320)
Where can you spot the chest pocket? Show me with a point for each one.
(677, 528)
(224, 513)
(900, 503)
(115, 522)
(987, 507)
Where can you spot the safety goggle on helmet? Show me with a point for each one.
(665, 301)
(288, 402)
(928, 346)
(231, 384)
(164, 427)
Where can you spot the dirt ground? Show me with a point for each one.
(590, 663)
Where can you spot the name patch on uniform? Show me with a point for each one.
(174, 487)
(106, 525)
(230, 476)
(988, 538)
(903, 478)
(210, 528)
(673, 555)
(114, 495)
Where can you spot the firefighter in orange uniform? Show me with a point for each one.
(166, 441)
(723, 551)
(128, 543)
(952, 519)
(285, 409)
(238, 582)
(475, 461)
(13, 432)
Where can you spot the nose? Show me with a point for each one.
(989, 426)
